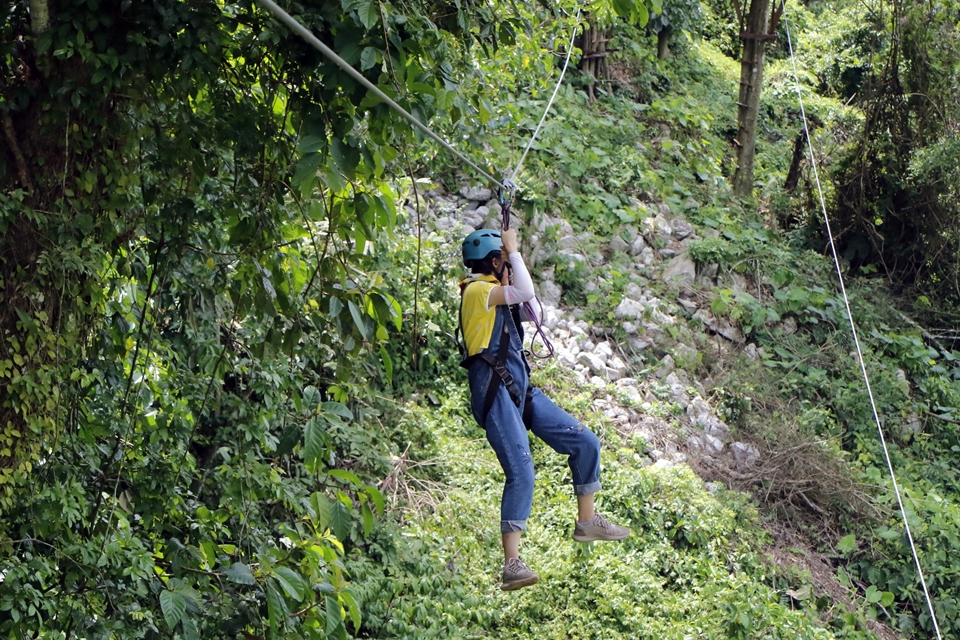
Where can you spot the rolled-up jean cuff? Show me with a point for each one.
(586, 489)
(506, 526)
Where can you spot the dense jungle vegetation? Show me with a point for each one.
(230, 405)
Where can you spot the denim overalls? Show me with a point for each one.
(507, 433)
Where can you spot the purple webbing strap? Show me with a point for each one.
(538, 332)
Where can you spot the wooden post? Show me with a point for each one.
(593, 45)
(754, 36)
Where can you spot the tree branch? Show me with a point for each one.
(25, 181)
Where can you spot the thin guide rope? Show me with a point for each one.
(305, 33)
(853, 329)
(573, 36)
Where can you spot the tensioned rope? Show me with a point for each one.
(506, 199)
(573, 36)
(853, 329)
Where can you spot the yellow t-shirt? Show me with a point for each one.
(478, 319)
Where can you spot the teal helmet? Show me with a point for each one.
(479, 244)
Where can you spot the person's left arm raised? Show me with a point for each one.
(522, 288)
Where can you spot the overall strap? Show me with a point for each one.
(504, 377)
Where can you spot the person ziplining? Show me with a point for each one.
(506, 406)
(495, 326)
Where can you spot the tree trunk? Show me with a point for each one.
(754, 37)
(39, 16)
(663, 43)
(793, 175)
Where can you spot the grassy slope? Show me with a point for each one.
(691, 569)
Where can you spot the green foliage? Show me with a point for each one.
(691, 555)
(814, 383)
(197, 324)
(571, 274)
(222, 363)
(896, 217)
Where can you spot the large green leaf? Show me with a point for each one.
(349, 476)
(358, 319)
(334, 619)
(352, 606)
(240, 573)
(322, 509)
(291, 582)
(376, 496)
(337, 409)
(369, 58)
(340, 520)
(369, 12)
(276, 608)
(314, 441)
(387, 364)
(311, 398)
(174, 607)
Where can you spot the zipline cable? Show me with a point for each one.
(506, 199)
(853, 330)
(573, 35)
(305, 33)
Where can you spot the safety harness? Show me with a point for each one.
(497, 362)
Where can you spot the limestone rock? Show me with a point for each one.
(566, 358)
(629, 309)
(702, 417)
(617, 365)
(707, 275)
(592, 362)
(746, 455)
(678, 394)
(478, 194)
(666, 367)
(550, 293)
(638, 246)
(681, 272)
(788, 326)
(619, 245)
(630, 393)
(633, 291)
(705, 443)
(681, 229)
(603, 351)
(473, 219)
(550, 318)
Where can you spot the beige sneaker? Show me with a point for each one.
(599, 529)
(517, 575)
